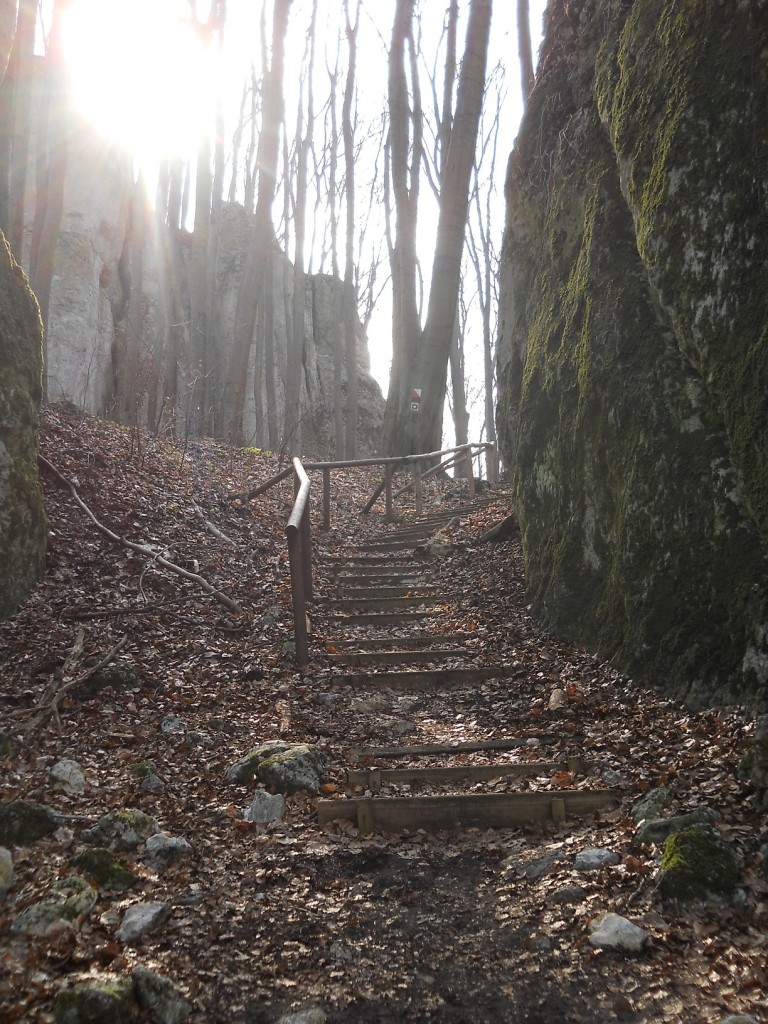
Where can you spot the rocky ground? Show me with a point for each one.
(262, 921)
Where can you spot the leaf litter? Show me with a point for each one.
(266, 919)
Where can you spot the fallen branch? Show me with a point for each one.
(210, 527)
(141, 549)
(50, 701)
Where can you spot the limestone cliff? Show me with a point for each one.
(633, 348)
(23, 530)
(119, 333)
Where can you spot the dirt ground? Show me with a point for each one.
(265, 920)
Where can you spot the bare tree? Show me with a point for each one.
(403, 178)
(260, 251)
(524, 48)
(454, 200)
(349, 301)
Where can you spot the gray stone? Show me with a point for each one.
(611, 931)
(247, 767)
(159, 996)
(312, 1016)
(23, 822)
(120, 674)
(67, 775)
(339, 952)
(649, 807)
(172, 725)
(401, 728)
(266, 807)
(140, 919)
(70, 898)
(6, 872)
(738, 1018)
(595, 858)
(121, 829)
(162, 849)
(537, 868)
(568, 894)
(660, 829)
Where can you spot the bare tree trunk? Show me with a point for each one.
(349, 303)
(338, 339)
(16, 125)
(296, 339)
(524, 48)
(51, 167)
(267, 153)
(405, 140)
(454, 201)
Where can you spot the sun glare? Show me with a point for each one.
(141, 74)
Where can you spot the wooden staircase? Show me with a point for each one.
(385, 635)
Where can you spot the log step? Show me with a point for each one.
(432, 749)
(363, 658)
(479, 810)
(422, 680)
(372, 604)
(412, 640)
(375, 778)
(379, 618)
(352, 593)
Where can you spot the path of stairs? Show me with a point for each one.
(386, 635)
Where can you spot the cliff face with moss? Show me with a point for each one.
(23, 529)
(633, 350)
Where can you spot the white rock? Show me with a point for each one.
(6, 872)
(594, 858)
(163, 849)
(612, 931)
(67, 775)
(140, 919)
(557, 699)
(266, 807)
(313, 1016)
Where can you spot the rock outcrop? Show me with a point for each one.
(633, 347)
(23, 530)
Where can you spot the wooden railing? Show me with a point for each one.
(298, 531)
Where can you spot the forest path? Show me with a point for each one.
(389, 628)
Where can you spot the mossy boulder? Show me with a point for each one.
(121, 829)
(120, 674)
(754, 766)
(633, 348)
(108, 1001)
(697, 864)
(23, 528)
(69, 899)
(23, 822)
(106, 870)
(282, 767)
(159, 996)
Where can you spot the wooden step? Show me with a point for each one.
(378, 618)
(478, 810)
(449, 749)
(372, 604)
(364, 658)
(351, 593)
(411, 640)
(376, 546)
(375, 778)
(417, 680)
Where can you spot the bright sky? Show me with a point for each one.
(144, 77)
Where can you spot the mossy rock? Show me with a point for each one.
(696, 864)
(71, 897)
(159, 996)
(247, 767)
(96, 1002)
(294, 770)
(121, 829)
(23, 822)
(107, 871)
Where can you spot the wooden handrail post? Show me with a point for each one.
(417, 491)
(388, 493)
(470, 471)
(327, 498)
(297, 531)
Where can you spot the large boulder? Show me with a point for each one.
(634, 340)
(23, 530)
